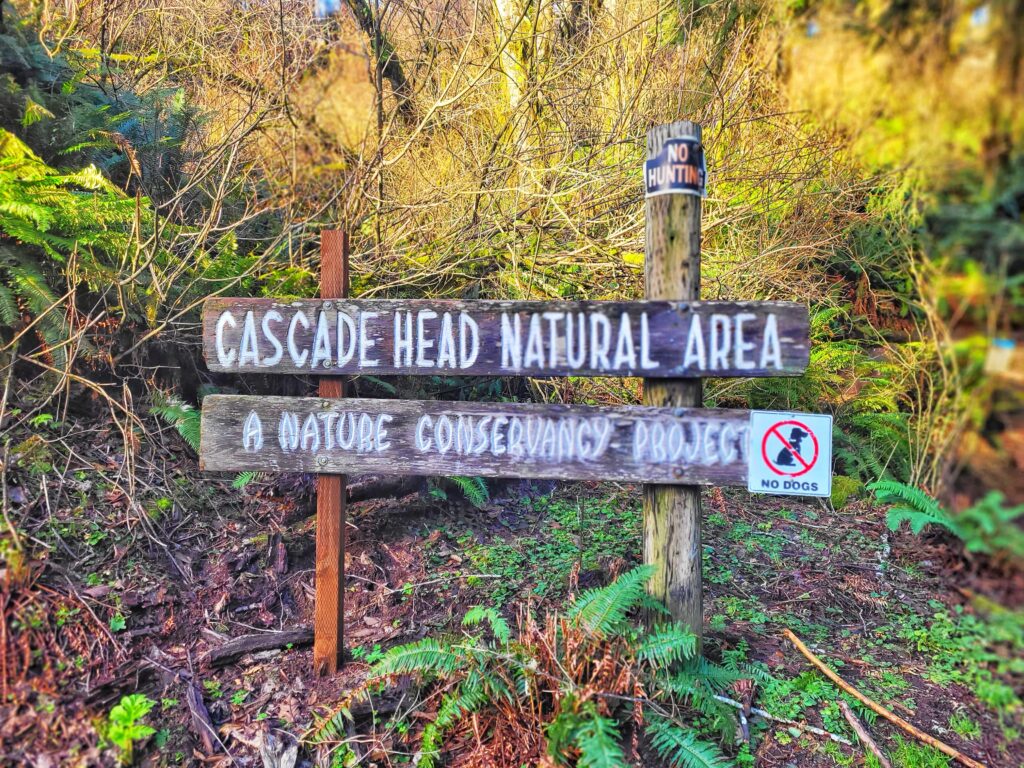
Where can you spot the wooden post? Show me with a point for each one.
(672, 513)
(329, 607)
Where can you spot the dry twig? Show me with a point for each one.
(863, 735)
(878, 708)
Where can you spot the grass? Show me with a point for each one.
(585, 532)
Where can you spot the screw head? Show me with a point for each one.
(327, 364)
(321, 460)
(328, 304)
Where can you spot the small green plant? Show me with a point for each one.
(125, 726)
(964, 726)
(180, 415)
(212, 688)
(473, 489)
(910, 754)
(117, 622)
(988, 526)
(238, 697)
(368, 656)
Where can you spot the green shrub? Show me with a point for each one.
(988, 526)
(580, 680)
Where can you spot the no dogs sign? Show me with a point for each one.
(790, 454)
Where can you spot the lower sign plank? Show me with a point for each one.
(410, 437)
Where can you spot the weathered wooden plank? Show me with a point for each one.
(653, 339)
(412, 437)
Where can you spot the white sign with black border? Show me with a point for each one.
(790, 454)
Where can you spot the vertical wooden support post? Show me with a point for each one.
(672, 541)
(329, 606)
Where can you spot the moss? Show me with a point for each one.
(843, 488)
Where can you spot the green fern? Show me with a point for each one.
(597, 739)
(913, 506)
(478, 614)
(681, 748)
(242, 479)
(473, 488)
(180, 415)
(604, 610)
(426, 657)
(991, 527)
(474, 674)
(667, 644)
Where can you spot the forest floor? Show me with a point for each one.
(139, 570)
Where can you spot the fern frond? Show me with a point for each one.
(425, 657)
(478, 614)
(681, 748)
(604, 610)
(242, 479)
(473, 488)
(917, 507)
(666, 644)
(180, 415)
(598, 741)
(470, 695)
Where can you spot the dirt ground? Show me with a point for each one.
(136, 571)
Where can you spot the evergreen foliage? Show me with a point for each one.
(180, 415)
(580, 679)
(988, 526)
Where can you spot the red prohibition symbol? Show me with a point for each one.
(780, 448)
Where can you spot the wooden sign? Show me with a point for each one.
(635, 443)
(653, 339)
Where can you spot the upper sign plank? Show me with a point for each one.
(653, 339)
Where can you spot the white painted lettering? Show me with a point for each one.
(721, 342)
(365, 344)
(695, 355)
(511, 342)
(225, 356)
(321, 342)
(423, 427)
(293, 351)
(446, 343)
(288, 431)
(600, 341)
(249, 351)
(403, 342)
(625, 352)
(576, 343)
(469, 340)
(553, 318)
(310, 434)
(771, 349)
(645, 345)
(534, 356)
(272, 316)
(740, 345)
(422, 342)
(380, 438)
(252, 433)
